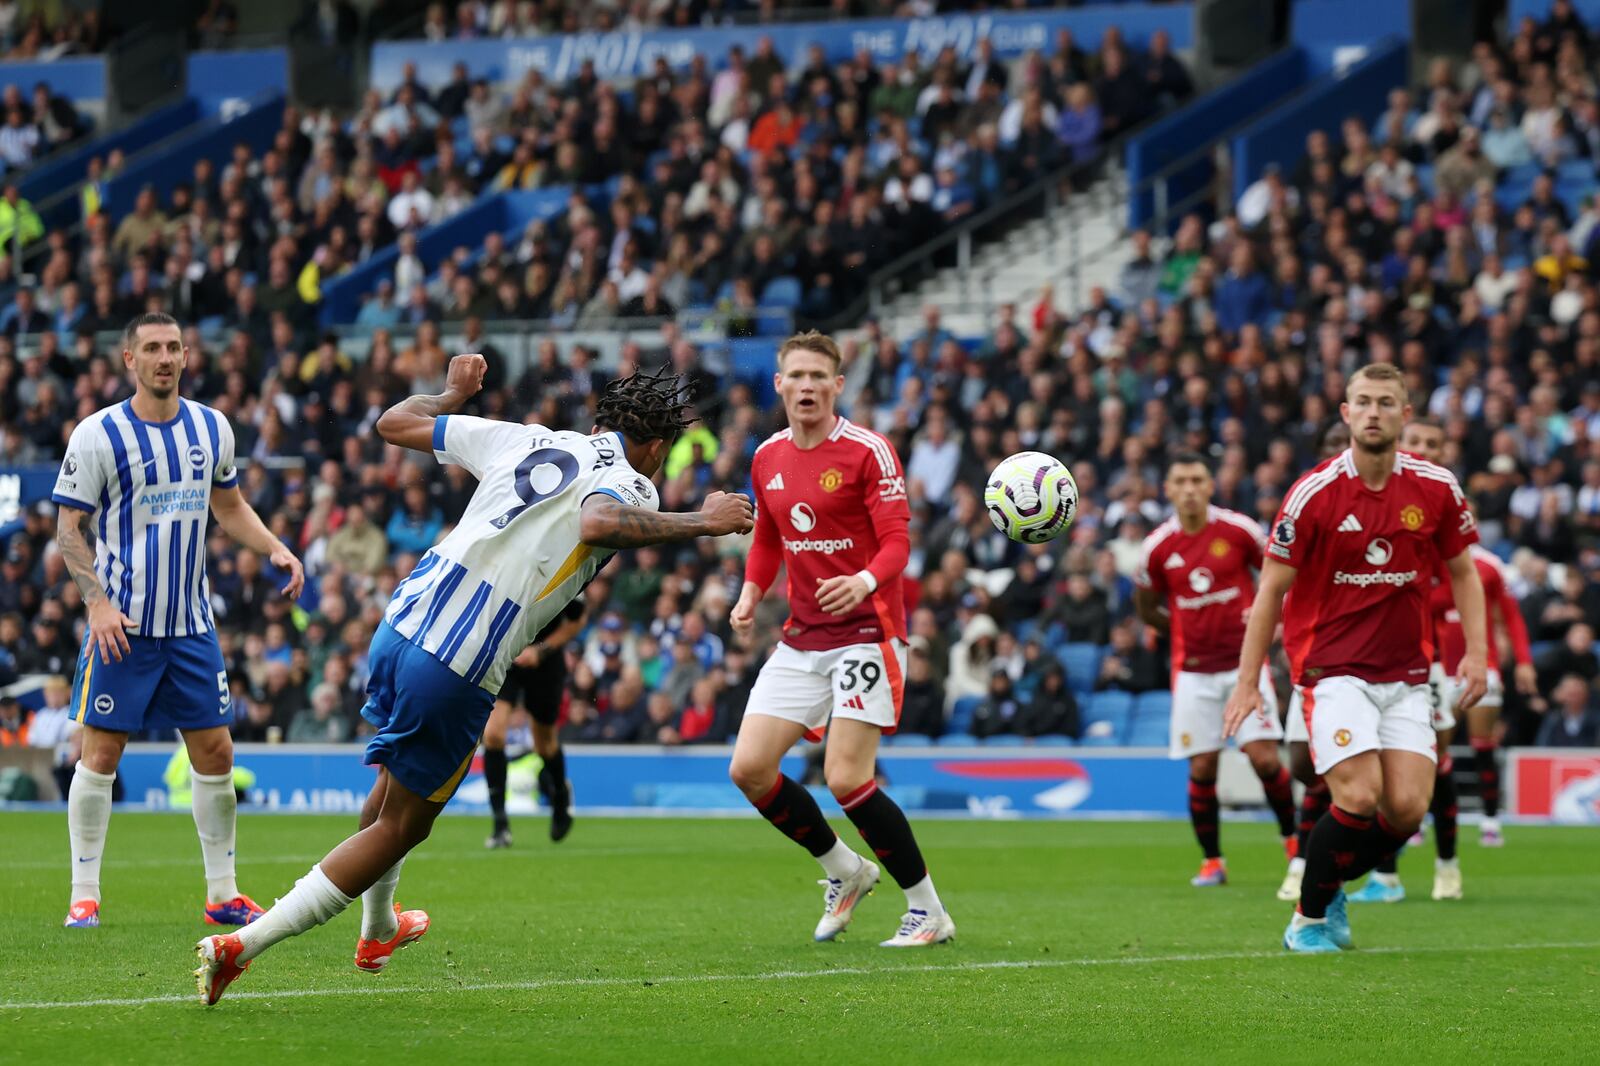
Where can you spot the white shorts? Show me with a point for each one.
(1348, 716)
(1443, 702)
(861, 681)
(1294, 726)
(1450, 691)
(1198, 701)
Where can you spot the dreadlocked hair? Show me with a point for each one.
(646, 407)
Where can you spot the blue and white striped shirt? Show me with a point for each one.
(148, 484)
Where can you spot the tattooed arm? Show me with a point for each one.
(107, 625)
(608, 524)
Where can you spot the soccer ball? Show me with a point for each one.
(1031, 497)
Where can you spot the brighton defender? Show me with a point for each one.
(831, 506)
(1195, 580)
(134, 491)
(550, 508)
(1348, 548)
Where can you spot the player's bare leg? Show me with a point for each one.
(385, 928)
(494, 773)
(553, 783)
(850, 767)
(1205, 815)
(215, 808)
(404, 820)
(756, 769)
(1481, 722)
(88, 816)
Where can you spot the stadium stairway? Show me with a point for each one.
(1077, 246)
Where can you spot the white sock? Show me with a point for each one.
(215, 810)
(840, 862)
(1386, 880)
(312, 901)
(922, 897)
(1301, 921)
(1446, 864)
(88, 812)
(1297, 865)
(377, 906)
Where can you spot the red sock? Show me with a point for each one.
(1204, 813)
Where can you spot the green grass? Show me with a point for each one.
(645, 941)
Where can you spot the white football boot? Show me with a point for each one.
(840, 899)
(918, 929)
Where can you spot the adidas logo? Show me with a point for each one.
(855, 703)
(775, 484)
(1350, 525)
(1173, 562)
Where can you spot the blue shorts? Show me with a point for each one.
(177, 682)
(429, 717)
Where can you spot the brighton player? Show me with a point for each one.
(1195, 580)
(536, 681)
(1335, 438)
(550, 508)
(1424, 437)
(1348, 548)
(134, 491)
(831, 506)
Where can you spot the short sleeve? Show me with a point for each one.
(627, 486)
(85, 469)
(472, 442)
(226, 475)
(1147, 575)
(1252, 539)
(1457, 529)
(1293, 537)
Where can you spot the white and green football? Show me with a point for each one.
(1031, 497)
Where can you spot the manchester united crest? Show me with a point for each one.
(1411, 517)
(831, 479)
(1219, 547)
(1342, 738)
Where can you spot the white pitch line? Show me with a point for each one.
(369, 989)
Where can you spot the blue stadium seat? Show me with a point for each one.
(1054, 740)
(1082, 662)
(1099, 742)
(910, 740)
(1155, 705)
(1148, 733)
(1006, 740)
(781, 292)
(1109, 707)
(961, 713)
(955, 740)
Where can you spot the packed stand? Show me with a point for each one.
(694, 188)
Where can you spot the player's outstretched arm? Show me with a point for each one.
(608, 524)
(409, 423)
(240, 521)
(107, 625)
(1265, 612)
(1467, 588)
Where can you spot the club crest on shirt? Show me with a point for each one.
(1219, 547)
(1411, 517)
(70, 465)
(831, 479)
(1342, 738)
(197, 457)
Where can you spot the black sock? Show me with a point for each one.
(1483, 755)
(553, 780)
(1280, 796)
(1343, 847)
(882, 824)
(1444, 808)
(796, 815)
(494, 774)
(1204, 813)
(1391, 865)
(1313, 805)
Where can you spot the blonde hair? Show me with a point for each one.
(1384, 372)
(811, 341)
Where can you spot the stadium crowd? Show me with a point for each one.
(697, 186)
(1491, 309)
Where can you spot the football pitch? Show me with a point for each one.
(647, 940)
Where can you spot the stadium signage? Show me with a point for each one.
(629, 54)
